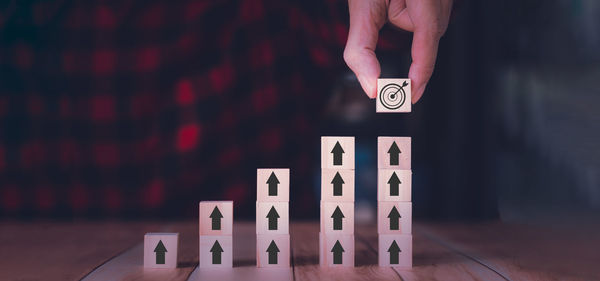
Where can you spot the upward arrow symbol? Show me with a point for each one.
(272, 216)
(337, 184)
(394, 217)
(337, 251)
(394, 152)
(216, 251)
(272, 250)
(216, 217)
(394, 183)
(394, 251)
(273, 181)
(337, 154)
(337, 218)
(160, 251)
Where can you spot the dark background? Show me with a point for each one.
(140, 109)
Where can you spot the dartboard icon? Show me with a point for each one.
(393, 96)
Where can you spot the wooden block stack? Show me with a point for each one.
(394, 207)
(216, 230)
(272, 218)
(160, 250)
(336, 239)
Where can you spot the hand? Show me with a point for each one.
(427, 19)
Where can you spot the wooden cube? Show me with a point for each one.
(337, 185)
(216, 218)
(395, 250)
(393, 153)
(273, 250)
(394, 217)
(394, 185)
(216, 251)
(273, 185)
(393, 95)
(337, 153)
(160, 250)
(272, 218)
(337, 217)
(336, 250)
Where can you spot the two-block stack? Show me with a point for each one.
(272, 218)
(394, 207)
(336, 239)
(216, 230)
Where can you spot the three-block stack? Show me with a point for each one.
(394, 207)
(336, 239)
(272, 218)
(216, 230)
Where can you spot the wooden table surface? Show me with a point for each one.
(442, 251)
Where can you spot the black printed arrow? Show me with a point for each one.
(394, 251)
(337, 154)
(394, 217)
(160, 251)
(272, 250)
(337, 184)
(216, 251)
(273, 182)
(394, 152)
(394, 183)
(337, 251)
(273, 216)
(337, 218)
(216, 217)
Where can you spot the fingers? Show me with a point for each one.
(366, 19)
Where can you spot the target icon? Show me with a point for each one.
(393, 96)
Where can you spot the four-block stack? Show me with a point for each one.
(336, 239)
(272, 218)
(216, 229)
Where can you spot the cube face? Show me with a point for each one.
(394, 185)
(393, 96)
(337, 185)
(394, 153)
(216, 251)
(337, 153)
(273, 250)
(394, 218)
(160, 250)
(216, 217)
(337, 218)
(395, 250)
(273, 185)
(336, 250)
(272, 218)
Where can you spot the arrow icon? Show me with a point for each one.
(394, 183)
(337, 154)
(273, 181)
(337, 251)
(394, 152)
(216, 251)
(394, 251)
(337, 184)
(394, 217)
(272, 250)
(160, 251)
(272, 216)
(337, 218)
(216, 217)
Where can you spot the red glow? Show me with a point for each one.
(187, 138)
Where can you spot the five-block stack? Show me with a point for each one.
(216, 229)
(336, 239)
(272, 218)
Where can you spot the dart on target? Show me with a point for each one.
(393, 96)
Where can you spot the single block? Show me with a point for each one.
(394, 217)
(337, 185)
(337, 153)
(272, 218)
(336, 250)
(160, 250)
(395, 250)
(273, 250)
(394, 185)
(216, 251)
(337, 217)
(216, 218)
(393, 153)
(393, 95)
(273, 185)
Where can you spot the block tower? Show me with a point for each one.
(336, 239)
(216, 229)
(272, 218)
